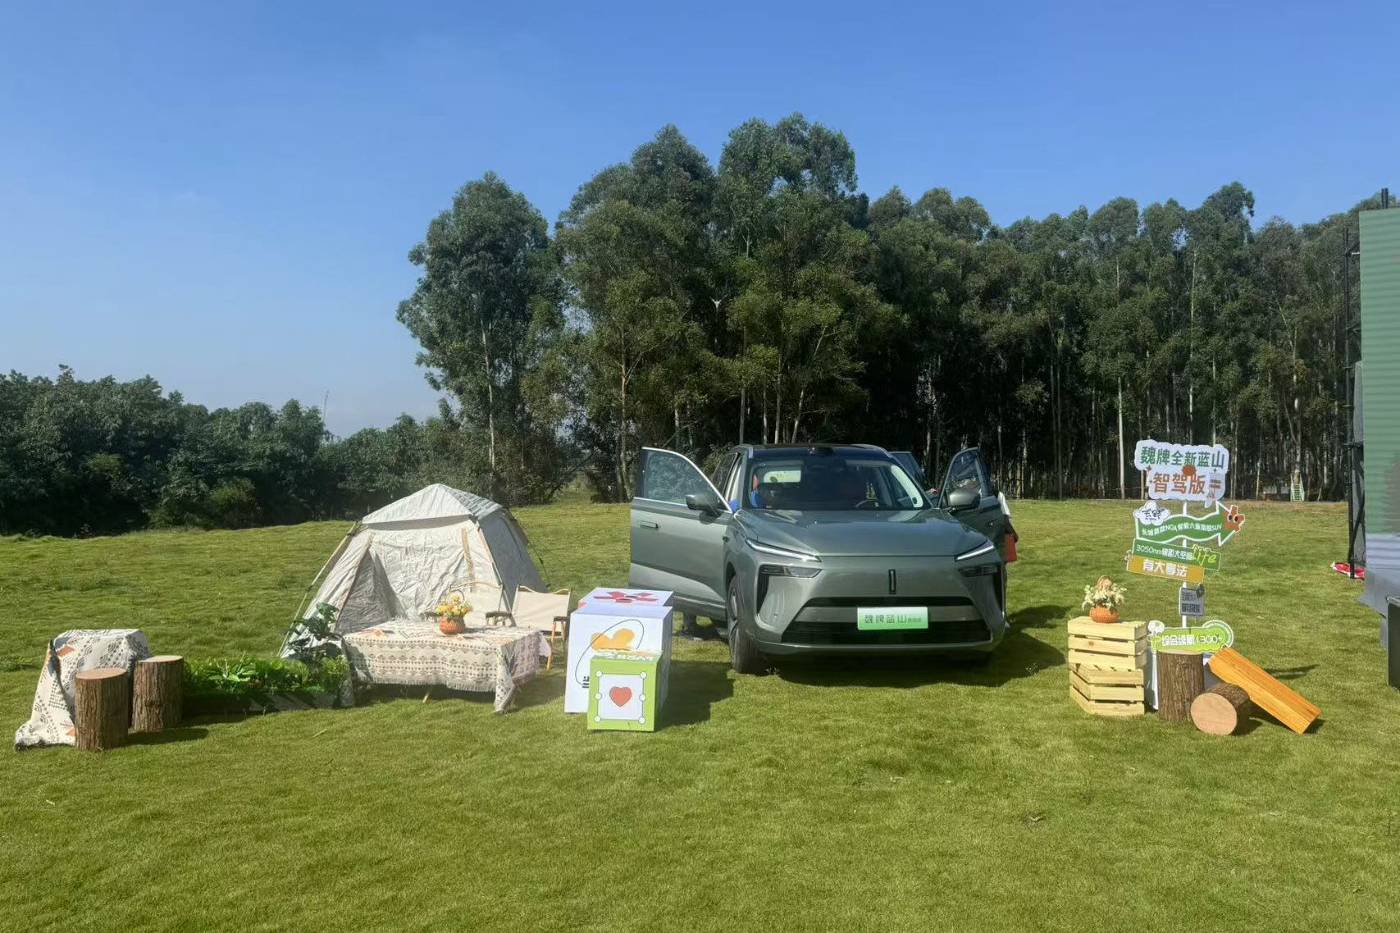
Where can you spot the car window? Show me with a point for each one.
(968, 472)
(736, 475)
(669, 477)
(830, 482)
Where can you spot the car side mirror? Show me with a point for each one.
(960, 500)
(701, 502)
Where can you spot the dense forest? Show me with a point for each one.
(766, 299)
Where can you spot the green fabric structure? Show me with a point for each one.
(1380, 401)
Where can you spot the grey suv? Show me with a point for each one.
(825, 549)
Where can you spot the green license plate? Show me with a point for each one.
(890, 618)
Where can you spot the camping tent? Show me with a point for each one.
(401, 561)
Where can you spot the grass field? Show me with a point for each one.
(893, 796)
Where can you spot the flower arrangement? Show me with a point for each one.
(451, 612)
(1103, 600)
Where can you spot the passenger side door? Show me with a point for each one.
(988, 514)
(675, 547)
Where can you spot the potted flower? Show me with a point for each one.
(1104, 599)
(450, 614)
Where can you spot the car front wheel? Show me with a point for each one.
(743, 653)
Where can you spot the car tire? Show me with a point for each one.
(744, 656)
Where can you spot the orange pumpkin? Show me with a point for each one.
(1103, 614)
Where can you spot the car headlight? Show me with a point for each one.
(781, 552)
(782, 570)
(977, 552)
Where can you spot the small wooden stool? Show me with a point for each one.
(101, 707)
(157, 693)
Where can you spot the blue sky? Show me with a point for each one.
(223, 196)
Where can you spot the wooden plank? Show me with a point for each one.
(1113, 631)
(1121, 710)
(1105, 691)
(1084, 643)
(1279, 701)
(1112, 662)
(1095, 675)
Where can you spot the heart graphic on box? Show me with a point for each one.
(620, 640)
(620, 695)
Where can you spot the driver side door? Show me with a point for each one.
(989, 516)
(675, 547)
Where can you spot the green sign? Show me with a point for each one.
(1208, 558)
(1155, 524)
(891, 618)
(1195, 639)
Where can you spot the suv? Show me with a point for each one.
(825, 549)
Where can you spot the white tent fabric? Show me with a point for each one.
(403, 559)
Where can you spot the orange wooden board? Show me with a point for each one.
(1279, 701)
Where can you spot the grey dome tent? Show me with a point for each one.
(400, 561)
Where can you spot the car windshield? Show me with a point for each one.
(830, 482)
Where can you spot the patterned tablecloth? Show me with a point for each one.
(483, 659)
(51, 717)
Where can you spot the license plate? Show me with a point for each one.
(890, 618)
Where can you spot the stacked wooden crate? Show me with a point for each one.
(1108, 666)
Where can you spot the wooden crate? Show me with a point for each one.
(1107, 692)
(1114, 646)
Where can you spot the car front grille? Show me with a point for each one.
(832, 621)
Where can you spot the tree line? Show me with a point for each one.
(767, 299)
(764, 299)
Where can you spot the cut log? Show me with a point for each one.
(101, 707)
(1285, 705)
(1180, 679)
(157, 693)
(1221, 710)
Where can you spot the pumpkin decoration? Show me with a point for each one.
(1104, 599)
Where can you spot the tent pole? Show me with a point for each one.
(316, 580)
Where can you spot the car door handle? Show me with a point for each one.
(649, 524)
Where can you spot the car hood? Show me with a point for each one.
(858, 533)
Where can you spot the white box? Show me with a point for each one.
(615, 619)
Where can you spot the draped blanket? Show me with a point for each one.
(51, 719)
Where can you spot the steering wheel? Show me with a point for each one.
(867, 504)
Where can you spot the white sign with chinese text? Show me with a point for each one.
(1182, 472)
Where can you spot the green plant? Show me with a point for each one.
(1104, 593)
(249, 684)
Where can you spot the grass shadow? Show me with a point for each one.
(1019, 655)
(695, 686)
(541, 691)
(178, 734)
(1290, 673)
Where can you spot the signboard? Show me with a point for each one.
(1183, 472)
(1169, 570)
(1191, 601)
(1170, 542)
(1194, 639)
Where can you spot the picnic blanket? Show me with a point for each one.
(51, 719)
(489, 659)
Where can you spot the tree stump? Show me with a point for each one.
(1221, 710)
(101, 707)
(1180, 679)
(157, 693)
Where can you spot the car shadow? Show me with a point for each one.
(1039, 616)
(694, 687)
(1019, 655)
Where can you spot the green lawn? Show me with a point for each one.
(900, 796)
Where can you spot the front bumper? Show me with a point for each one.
(817, 615)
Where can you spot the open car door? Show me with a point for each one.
(679, 523)
(988, 511)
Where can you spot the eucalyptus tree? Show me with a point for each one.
(636, 248)
(485, 309)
